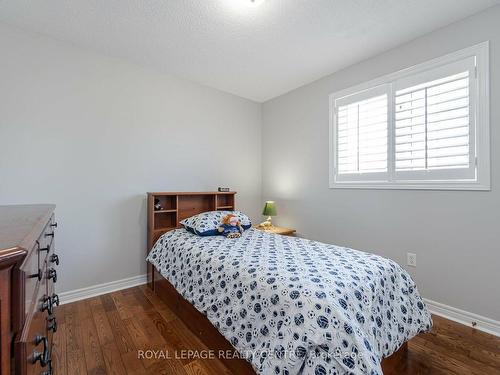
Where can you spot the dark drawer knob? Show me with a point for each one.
(38, 275)
(47, 249)
(52, 324)
(54, 258)
(49, 234)
(52, 274)
(53, 225)
(55, 299)
(44, 356)
(47, 304)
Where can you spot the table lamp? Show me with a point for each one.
(269, 210)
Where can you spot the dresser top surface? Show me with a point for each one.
(21, 224)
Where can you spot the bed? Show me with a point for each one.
(289, 305)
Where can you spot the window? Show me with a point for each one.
(426, 127)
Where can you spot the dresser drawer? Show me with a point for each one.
(46, 242)
(32, 347)
(32, 274)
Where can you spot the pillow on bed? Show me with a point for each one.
(207, 223)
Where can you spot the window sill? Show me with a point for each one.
(413, 185)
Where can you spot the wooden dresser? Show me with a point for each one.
(27, 298)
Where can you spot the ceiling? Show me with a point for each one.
(257, 52)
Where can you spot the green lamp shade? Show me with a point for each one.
(270, 209)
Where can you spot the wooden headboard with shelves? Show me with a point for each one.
(177, 206)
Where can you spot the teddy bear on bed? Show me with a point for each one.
(231, 226)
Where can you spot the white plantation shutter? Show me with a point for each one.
(432, 125)
(362, 136)
(423, 127)
(434, 130)
(362, 128)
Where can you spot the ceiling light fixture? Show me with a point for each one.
(255, 3)
(245, 8)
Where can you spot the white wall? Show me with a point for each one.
(93, 134)
(456, 235)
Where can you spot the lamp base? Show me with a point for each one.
(267, 223)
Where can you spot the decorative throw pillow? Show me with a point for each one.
(207, 223)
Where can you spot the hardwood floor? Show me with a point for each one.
(106, 334)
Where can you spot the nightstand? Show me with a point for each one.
(277, 230)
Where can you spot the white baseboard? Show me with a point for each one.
(476, 321)
(97, 290)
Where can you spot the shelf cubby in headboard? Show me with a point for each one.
(177, 206)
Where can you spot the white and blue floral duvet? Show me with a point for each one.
(291, 305)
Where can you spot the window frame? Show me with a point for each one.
(480, 139)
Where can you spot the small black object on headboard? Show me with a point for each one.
(158, 206)
(223, 189)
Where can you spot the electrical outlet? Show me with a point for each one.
(411, 259)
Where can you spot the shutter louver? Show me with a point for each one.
(432, 125)
(362, 136)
